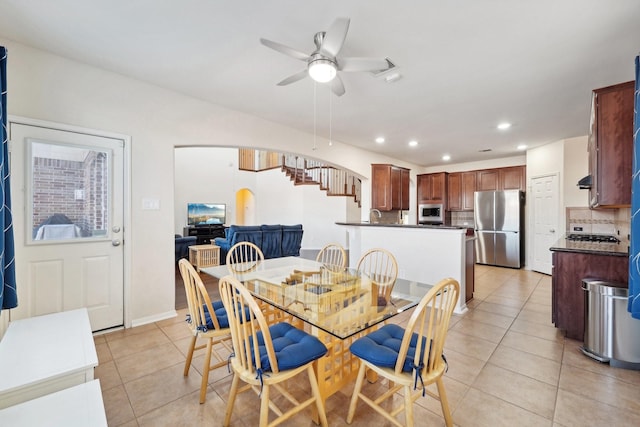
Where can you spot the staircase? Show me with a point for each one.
(302, 171)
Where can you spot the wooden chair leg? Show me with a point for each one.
(408, 407)
(264, 406)
(205, 371)
(444, 403)
(316, 392)
(187, 363)
(233, 392)
(356, 391)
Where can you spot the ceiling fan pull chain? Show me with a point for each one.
(314, 115)
(330, 118)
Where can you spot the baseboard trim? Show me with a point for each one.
(154, 318)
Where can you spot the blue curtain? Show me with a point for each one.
(8, 295)
(634, 255)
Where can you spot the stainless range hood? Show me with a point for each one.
(585, 183)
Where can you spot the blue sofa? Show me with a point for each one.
(182, 246)
(275, 241)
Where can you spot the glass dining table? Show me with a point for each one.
(336, 306)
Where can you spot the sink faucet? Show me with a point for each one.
(377, 211)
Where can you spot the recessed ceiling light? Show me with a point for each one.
(522, 147)
(504, 126)
(379, 140)
(446, 157)
(413, 143)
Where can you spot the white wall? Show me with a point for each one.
(49, 87)
(576, 166)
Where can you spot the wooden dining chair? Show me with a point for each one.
(207, 320)
(265, 356)
(410, 358)
(380, 266)
(333, 257)
(244, 257)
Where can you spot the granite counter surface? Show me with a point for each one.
(613, 249)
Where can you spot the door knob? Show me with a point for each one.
(115, 242)
(116, 229)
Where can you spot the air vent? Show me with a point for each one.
(380, 73)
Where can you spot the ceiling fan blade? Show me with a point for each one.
(337, 86)
(294, 78)
(285, 49)
(334, 37)
(362, 64)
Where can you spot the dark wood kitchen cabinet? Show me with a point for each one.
(567, 298)
(389, 187)
(611, 146)
(509, 178)
(432, 188)
(461, 186)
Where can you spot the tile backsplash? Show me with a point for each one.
(462, 219)
(599, 221)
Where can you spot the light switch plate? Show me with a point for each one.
(150, 204)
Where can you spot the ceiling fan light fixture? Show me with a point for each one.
(322, 70)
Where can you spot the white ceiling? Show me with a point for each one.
(466, 65)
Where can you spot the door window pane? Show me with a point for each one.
(69, 192)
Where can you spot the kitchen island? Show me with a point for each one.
(424, 253)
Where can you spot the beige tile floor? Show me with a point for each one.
(508, 366)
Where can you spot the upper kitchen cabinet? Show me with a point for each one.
(432, 188)
(611, 146)
(461, 185)
(389, 187)
(510, 178)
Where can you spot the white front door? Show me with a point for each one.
(545, 220)
(68, 210)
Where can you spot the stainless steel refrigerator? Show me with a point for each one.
(499, 226)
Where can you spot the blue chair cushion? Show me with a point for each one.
(381, 347)
(221, 314)
(293, 347)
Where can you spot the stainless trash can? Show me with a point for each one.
(610, 333)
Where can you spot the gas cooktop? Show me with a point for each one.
(597, 238)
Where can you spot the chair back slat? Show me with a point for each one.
(246, 321)
(333, 257)
(244, 257)
(198, 300)
(381, 267)
(429, 323)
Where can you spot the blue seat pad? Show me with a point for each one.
(221, 314)
(293, 347)
(381, 347)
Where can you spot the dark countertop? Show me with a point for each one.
(375, 224)
(613, 249)
(469, 231)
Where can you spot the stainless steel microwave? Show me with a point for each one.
(431, 213)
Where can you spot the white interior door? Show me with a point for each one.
(545, 220)
(68, 210)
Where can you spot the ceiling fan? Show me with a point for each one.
(323, 63)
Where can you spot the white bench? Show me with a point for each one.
(45, 354)
(78, 406)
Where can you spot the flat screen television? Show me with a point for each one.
(206, 213)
